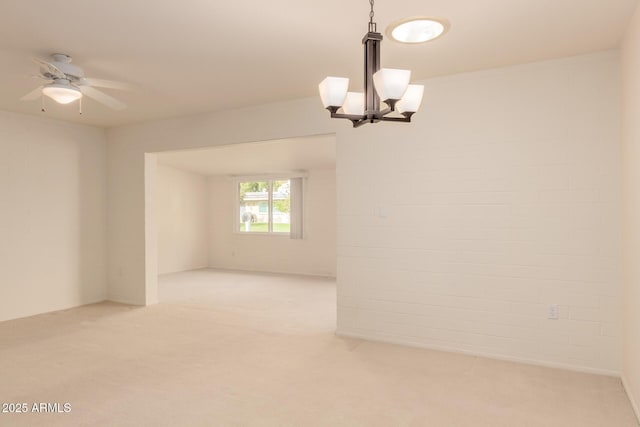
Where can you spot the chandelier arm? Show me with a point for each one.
(405, 119)
(384, 112)
(347, 116)
(361, 122)
(395, 119)
(353, 117)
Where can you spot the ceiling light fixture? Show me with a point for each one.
(417, 30)
(62, 91)
(386, 84)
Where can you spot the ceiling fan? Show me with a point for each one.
(66, 83)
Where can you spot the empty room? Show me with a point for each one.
(363, 213)
(230, 214)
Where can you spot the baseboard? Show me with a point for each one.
(53, 310)
(124, 301)
(634, 403)
(543, 363)
(290, 273)
(182, 270)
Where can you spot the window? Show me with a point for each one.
(264, 206)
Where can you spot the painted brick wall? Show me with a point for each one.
(630, 55)
(503, 197)
(52, 215)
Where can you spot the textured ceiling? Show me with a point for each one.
(203, 55)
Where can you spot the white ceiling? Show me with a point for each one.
(269, 157)
(204, 55)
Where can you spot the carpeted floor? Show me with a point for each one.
(240, 349)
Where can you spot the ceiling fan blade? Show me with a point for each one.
(34, 94)
(102, 98)
(109, 84)
(52, 69)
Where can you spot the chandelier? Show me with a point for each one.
(400, 100)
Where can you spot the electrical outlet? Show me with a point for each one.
(553, 312)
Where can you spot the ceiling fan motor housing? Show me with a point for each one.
(63, 63)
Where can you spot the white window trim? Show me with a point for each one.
(268, 176)
(237, 179)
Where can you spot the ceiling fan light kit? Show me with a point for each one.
(387, 95)
(62, 91)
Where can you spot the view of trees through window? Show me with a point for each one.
(265, 206)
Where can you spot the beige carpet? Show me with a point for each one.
(234, 349)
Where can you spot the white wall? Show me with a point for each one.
(129, 250)
(314, 255)
(182, 206)
(502, 197)
(52, 215)
(631, 207)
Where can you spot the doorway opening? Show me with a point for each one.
(242, 214)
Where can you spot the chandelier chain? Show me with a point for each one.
(373, 27)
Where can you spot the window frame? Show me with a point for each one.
(270, 179)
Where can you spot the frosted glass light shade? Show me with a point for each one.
(333, 91)
(354, 103)
(411, 100)
(62, 94)
(416, 30)
(391, 83)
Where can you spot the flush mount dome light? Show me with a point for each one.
(417, 30)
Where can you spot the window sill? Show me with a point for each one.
(259, 233)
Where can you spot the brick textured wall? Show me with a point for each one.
(630, 55)
(458, 230)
